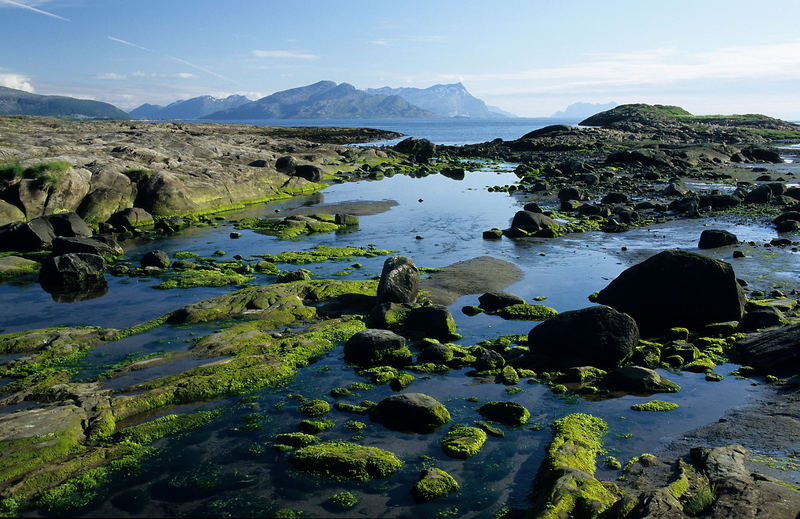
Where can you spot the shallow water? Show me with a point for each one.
(227, 470)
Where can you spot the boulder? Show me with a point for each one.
(14, 266)
(615, 198)
(491, 301)
(676, 288)
(130, 218)
(433, 321)
(309, 172)
(435, 353)
(165, 194)
(773, 351)
(486, 359)
(399, 281)
(10, 213)
(74, 270)
(372, 347)
(433, 483)
(155, 258)
(68, 224)
(532, 222)
(294, 275)
(420, 149)
(103, 202)
(765, 317)
(760, 195)
(713, 238)
(410, 412)
(637, 379)
(570, 193)
(170, 224)
(508, 413)
(102, 247)
(598, 335)
(27, 236)
(286, 164)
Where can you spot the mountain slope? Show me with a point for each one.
(19, 102)
(324, 99)
(193, 108)
(446, 100)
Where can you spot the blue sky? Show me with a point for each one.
(531, 58)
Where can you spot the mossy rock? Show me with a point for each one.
(315, 408)
(343, 500)
(411, 412)
(433, 484)
(655, 405)
(508, 413)
(463, 442)
(345, 460)
(315, 426)
(296, 439)
(526, 312)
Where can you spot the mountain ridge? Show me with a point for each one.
(193, 108)
(446, 100)
(20, 102)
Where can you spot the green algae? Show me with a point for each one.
(315, 408)
(345, 460)
(655, 406)
(201, 277)
(321, 253)
(434, 483)
(315, 426)
(490, 429)
(168, 425)
(526, 312)
(343, 500)
(351, 408)
(296, 439)
(463, 442)
(508, 413)
(296, 226)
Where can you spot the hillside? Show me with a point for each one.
(324, 100)
(193, 108)
(445, 100)
(19, 102)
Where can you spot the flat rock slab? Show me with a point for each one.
(40, 422)
(352, 207)
(473, 276)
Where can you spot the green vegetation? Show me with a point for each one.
(321, 253)
(202, 277)
(294, 226)
(527, 312)
(463, 442)
(315, 426)
(344, 500)
(655, 406)
(315, 408)
(46, 173)
(508, 413)
(167, 425)
(433, 484)
(296, 439)
(344, 460)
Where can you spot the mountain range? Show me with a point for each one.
(444, 100)
(19, 102)
(580, 111)
(193, 108)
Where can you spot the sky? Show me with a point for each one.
(531, 58)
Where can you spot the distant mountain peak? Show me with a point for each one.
(20, 102)
(193, 108)
(447, 100)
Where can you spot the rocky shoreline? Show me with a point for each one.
(71, 193)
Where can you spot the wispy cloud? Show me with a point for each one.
(110, 76)
(31, 8)
(179, 75)
(18, 81)
(129, 44)
(203, 69)
(282, 54)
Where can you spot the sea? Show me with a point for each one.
(449, 131)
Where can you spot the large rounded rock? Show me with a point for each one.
(309, 172)
(713, 238)
(131, 218)
(676, 288)
(433, 321)
(637, 379)
(532, 222)
(155, 258)
(101, 246)
(410, 412)
(399, 281)
(598, 336)
(346, 460)
(10, 213)
(33, 235)
(420, 149)
(492, 301)
(508, 413)
(73, 270)
(286, 164)
(68, 224)
(372, 347)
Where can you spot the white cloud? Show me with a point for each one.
(29, 6)
(282, 54)
(379, 42)
(178, 75)
(17, 81)
(110, 76)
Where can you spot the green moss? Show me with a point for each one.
(343, 500)
(167, 425)
(339, 392)
(655, 406)
(355, 425)
(559, 389)
(509, 413)
(612, 463)
(679, 487)
(296, 439)
(701, 365)
(315, 426)
(292, 226)
(360, 386)
(463, 442)
(379, 374)
(402, 381)
(434, 483)
(526, 312)
(346, 461)
(315, 408)
(321, 253)
(351, 408)
(204, 277)
(490, 429)
(509, 375)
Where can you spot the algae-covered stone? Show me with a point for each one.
(374, 347)
(526, 312)
(463, 442)
(655, 405)
(508, 413)
(411, 412)
(315, 408)
(15, 266)
(432, 321)
(399, 281)
(346, 460)
(433, 483)
(640, 380)
(296, 439)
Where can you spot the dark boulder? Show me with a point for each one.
(615, 198)
(570, 193)
(420, 149)
(508, 413)
(433, 321)
(372, 347)
(492, 301)
(130, 218)
(760, 195)
(309, 172)
(410, 412)
(548, 130)
(69, 225)
(719, 201)
(258, 163)
(765, 317)
(787, 225)
(27, 236)
(713, 238)
(532, 222)
(155, 258)
(486, 359)
(286, 164)
(676, 288)
(772, 351)
(435, 353)
(598, 336)
(399, 281)
(637, 379)
(454, 173)
(73, 271)
(107, 247)
(532, 207)
(770, 155)
(294, 275)
(170, 224)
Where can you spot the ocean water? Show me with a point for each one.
(440, 131)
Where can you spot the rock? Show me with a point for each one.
(569, 193)
(719, 201)
(28, 236)
(676, 288)
(130, 218)
(410, 412)
(454, 173)
(615, 198)
(435, 353)
(532, 222)
(756, 154)
(339, 459)
(286, 164)
(677, 188)
(508, 413)
(10, 213)
(14, 266)
(492, 301)
(433, 321)
(372, 347)
(713, 238)
(68, 224)
(493, 234)
(103, 202)
(772, 351)
(155, 258)
(420, 149)
(164, 193)
(637, 379)
(433, 483)
(75, 270)
(765, 317)
(399, 281)
(486, 359)
(309, 172)
(760, 195)
(295, 275)
(170, 224)
(532, 207)
(598, 335)
(106, 247)
(787, 226)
